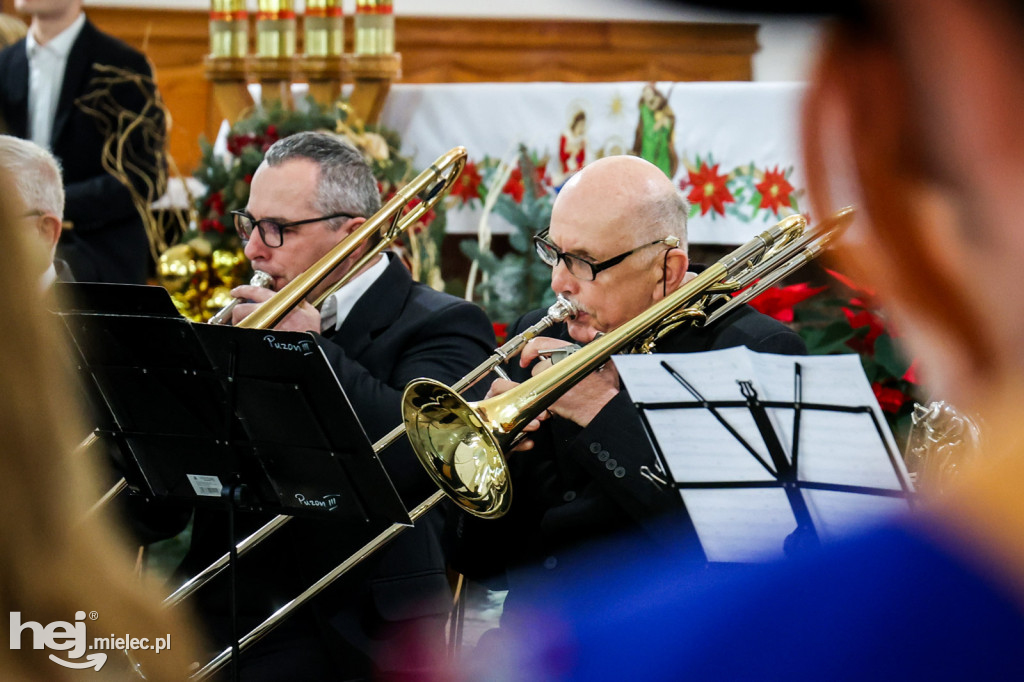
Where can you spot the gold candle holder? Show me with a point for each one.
(275, 50)
(324, 31)
(225, 66)
(229, 29)
(375, 27)
(275, 29)
(324, 28)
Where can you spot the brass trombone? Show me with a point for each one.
(561, 310)
(434, 183)
(462, 444)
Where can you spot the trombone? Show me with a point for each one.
(434, 183)
(462, 444)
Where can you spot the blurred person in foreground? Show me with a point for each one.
(616, 246)
(37, 178)
(913, 116)
(60, 563)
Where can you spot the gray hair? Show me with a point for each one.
(36, 174)
(346, 183)
(664, 216)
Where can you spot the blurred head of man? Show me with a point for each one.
(318, 181)
(618, 242)
(40, 189)
(935, 167)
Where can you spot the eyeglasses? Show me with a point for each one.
(584, 269)
(271, 231)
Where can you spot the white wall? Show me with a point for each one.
(787, 46)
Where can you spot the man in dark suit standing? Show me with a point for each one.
(62, 87)
(617, 245)
(379, 331)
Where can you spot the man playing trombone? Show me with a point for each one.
(379, 331)
(616, 245)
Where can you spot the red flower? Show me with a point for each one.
(778, 302)
(237, 143)
(211, 225)
(775, 190)
(467, 187)
(425, 220)
(514, 186)
(889, 399)
(248, 178)
(709, 189)
(864, 318)
(500, 331)
(216, 203)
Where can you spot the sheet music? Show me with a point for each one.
(835, 448)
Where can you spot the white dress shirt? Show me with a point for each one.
(46, 66)
(339, 304)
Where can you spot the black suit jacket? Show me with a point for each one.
(398, 331)
(107, 241)
(580, 485)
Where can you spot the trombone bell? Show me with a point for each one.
(461, 455)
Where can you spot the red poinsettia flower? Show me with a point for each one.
(500, 331)
(211, 225)
(864, 318)
(775, 190)
(467, 187)
(514, 185)
(709, 189)
(889, 399)
(216, 203)
(778, 302)
(425, 220)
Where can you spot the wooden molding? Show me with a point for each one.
(444, 50)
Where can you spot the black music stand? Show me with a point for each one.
(197, 408)
(771, 454)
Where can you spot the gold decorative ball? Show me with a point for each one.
(176, 268)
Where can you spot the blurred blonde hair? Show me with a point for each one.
(12, 29)
(56, 559)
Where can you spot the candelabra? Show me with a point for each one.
(225, 65)
(324, 34)
(373, 65)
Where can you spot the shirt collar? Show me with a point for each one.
(339, 304)
(61, 44)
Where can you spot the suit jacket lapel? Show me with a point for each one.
(79, 65)
(17, 91)
(377, 309)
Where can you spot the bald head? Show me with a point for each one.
(622, 200)
(619, 209)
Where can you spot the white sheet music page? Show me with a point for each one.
(719, 460)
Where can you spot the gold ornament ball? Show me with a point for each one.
(176, 268)
(228, 265)
(218, 298)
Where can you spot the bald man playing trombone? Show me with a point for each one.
(616, 245)
(379, 331)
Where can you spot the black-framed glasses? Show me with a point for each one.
(583, 269)
(271, 231)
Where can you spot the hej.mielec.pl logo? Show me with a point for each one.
(71, 637)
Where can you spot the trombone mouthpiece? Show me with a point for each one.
(562, 309)
(259, 279)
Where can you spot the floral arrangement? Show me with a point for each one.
(843, 317)
(207, 260)
(746, 192)
(523, 195)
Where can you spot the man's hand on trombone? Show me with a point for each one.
(303, 318)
